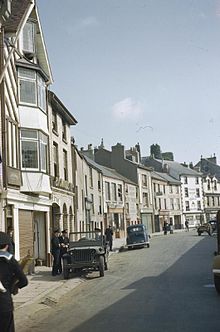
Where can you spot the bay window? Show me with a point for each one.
(32, 88)
(34, 150)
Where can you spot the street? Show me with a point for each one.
(167, 287)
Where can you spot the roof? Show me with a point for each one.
(167, 178)
(61, 109)
(173, 168)
(108, 172)
(207, 167)
(18, 10)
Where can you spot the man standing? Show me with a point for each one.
(109, 236)
(64, 244)
(55, 250)
(10, 274)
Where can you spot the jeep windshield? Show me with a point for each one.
(85, 239)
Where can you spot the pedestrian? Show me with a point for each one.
(165, 227)
(11, 274)
(55, 250)
(11, 247)
(109, 236)
(64, 245)
(187, 225)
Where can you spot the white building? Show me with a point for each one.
(25, 197)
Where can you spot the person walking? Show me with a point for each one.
(11, 248)
(187, 225)
(55, 250)
(109, 236)
(11, 276)
(64, 244)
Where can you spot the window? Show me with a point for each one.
(144, 180)
(186, 192)
(208, 184)
(165, 203)
(197, 180)
(32, 89)
(90, 177)
(54, 121)
(107, 191)
(93, 204)
(170, 189)
(218, 198)
(99, 181)
(65, 165)
(208, 201)
(145, 199)
(100, 205)
(86, 186)
(197, 192)
(198, 205)
(63, 131)
(215, 185)
(29, 38)
(187, 205)
(164, 190)
(55, 160)
(171, 203)
(177, 190)
(114, 193)
(213, 201)
(185, 179)
(34, 147)
(120, 192)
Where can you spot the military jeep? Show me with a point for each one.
(87, 252)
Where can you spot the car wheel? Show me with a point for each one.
(148, 245)
(101, 266)
(217, 283)
(199, 233)
(106, 265)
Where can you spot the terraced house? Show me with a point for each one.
(25, 181)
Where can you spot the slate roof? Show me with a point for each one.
(166, 177)
(18, 9)
(209, 168)
(174, 169)
(106, 171)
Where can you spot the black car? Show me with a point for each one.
(87, 251)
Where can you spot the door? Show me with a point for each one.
(40, 236)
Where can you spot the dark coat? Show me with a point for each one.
(10, 271)
(64, 244)
(55, 244)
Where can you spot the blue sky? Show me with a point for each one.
(144, 71)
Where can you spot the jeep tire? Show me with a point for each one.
(101, 266)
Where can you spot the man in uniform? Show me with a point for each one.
(55, 250)
(11, 275)
(64, 244)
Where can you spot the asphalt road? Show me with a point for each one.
(167, 287)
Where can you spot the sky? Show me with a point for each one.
(138, 71)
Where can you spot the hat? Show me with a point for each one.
(64, 231)
(4, 238)
(56, 231)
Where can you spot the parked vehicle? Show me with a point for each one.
(87, 252)
(207, 227)
(137, 236)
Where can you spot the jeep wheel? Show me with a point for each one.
(65, 270)
(101, 266)
(199, 233)
(217, 283)
(148, 245)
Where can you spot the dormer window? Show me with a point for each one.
(28, 38)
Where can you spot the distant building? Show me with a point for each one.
(191, 187)
(211, 185)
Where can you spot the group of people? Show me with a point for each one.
(11, 278)
(59, 246)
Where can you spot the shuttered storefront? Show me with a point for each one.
(26, 240)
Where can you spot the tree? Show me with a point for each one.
(155, 151)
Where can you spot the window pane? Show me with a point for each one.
(29, 133)
(27, 73)
(27, 92)
(29, 154)
(43, 156)
(28, 37)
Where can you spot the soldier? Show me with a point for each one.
(109, 236)
(11, 276)
(64, 244)
(55, 250)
